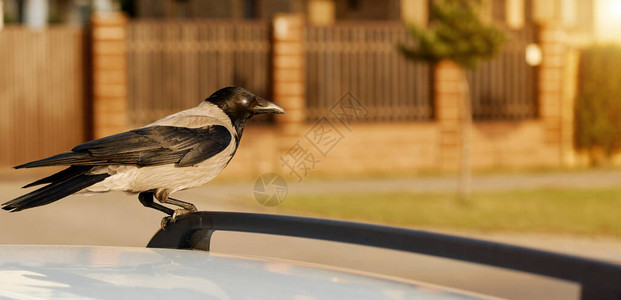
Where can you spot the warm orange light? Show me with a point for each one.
(533, 55)
(608, 20)
(614, 9)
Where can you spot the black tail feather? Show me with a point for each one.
(54, 191)
(63, 175)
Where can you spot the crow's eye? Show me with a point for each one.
(244, 101)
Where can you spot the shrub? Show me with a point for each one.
(598, 103)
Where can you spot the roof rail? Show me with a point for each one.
(599, 280)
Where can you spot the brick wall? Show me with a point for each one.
(109, 73)
(386, 148)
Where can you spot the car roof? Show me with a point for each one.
(112, 272)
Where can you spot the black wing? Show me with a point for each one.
(149, 146)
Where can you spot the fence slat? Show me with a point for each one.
(171, 63)
(41, 87)
(362, 58)
(174, 65)
(503, 88)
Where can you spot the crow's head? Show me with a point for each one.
(240, 105)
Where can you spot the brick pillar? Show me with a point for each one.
(485, 12)
(321, 12)
(448, 96)
(570, 90)
(415, 12)
(289, 72)
(550, 87)
(545, 11)
(514, 12)
(1, 15)
(109, 73)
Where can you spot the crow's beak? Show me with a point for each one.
(267, 107)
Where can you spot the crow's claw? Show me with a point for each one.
(165, 221)
(171, 219)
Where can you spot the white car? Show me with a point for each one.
(63, 272)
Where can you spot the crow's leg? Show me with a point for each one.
(146, 198)
(162, 196)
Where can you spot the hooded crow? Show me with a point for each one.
(184, 150)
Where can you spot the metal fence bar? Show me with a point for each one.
(599, 280)
(362, 58)
(173, 65)
(503, 88)
(395, 89)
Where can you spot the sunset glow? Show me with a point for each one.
(608, 20)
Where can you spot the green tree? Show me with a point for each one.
(456, 33)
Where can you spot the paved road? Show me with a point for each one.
(117, 219)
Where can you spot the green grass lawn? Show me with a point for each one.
(569, 211)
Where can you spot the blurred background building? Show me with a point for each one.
(78, 69)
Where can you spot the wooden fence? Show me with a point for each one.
(362, 58)
(174, 65)
(42, 108)
(504, 88)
